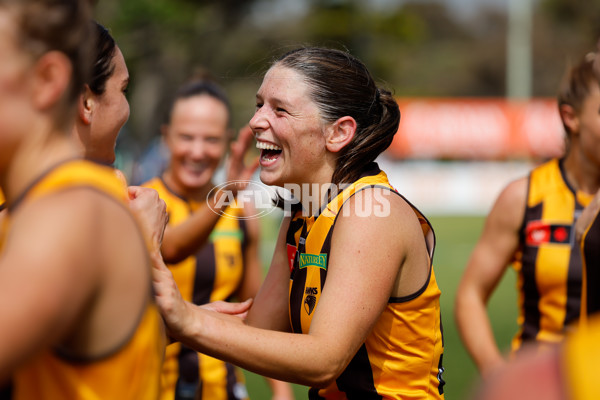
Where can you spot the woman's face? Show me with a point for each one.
(110, 114)
(288, 131)
(197, 138)
(589, 126)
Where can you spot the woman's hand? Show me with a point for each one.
(174, 310)
(177, 313)
(151, 213)
(239, 310)
(236, 167)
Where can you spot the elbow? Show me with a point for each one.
(461, 304)
(321, 381)
(469, 303)
(325, 375)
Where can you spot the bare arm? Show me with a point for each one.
(348, 300)
(252, 267)
(250, 286)
(270, 309)
(490, 258)
(182, 240)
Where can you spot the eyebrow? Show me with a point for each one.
(126, 81)
(275, 100)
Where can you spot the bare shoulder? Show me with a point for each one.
(63, 213)
(514, 193)
(509, 208)
(69, 219)
(379, 212)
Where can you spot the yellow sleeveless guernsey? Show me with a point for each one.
(579, 361)
(549, 261)
(214, 272)
(130, 372)
(402, 356)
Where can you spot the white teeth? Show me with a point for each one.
(269, 159)
(266, 146)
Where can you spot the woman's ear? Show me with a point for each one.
(51, 79)
(85, 106)
(340, 133)
(164, 131)
(570, 118)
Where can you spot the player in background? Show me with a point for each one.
(212, 257)
(567, 371)
(532, 226)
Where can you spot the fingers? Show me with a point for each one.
(158, 263)
(253, 166)
(241, 145)
(236, 169)
(151, 212)
(224, 307)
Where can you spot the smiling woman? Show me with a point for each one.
(212, 247)
(103, 108)
(350, 305)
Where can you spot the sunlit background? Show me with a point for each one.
(475, 80)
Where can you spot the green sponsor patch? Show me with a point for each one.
(218, 234)
(318, 260)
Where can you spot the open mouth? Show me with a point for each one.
(195, 168)
(268, 152)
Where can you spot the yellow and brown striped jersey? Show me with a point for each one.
(214, 272)
(549, 261)
(131, 371)
(402, 356)
(590, 250)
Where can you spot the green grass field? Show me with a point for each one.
(456, 237)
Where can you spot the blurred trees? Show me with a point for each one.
(417, 48)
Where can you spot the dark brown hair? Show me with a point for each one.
(576, 84)
(104, 52)
(56, 25)
(199, 87)
(340, 85)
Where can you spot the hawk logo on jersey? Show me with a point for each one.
(311, 299)
(538, 233)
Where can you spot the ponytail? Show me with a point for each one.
(370, 141)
